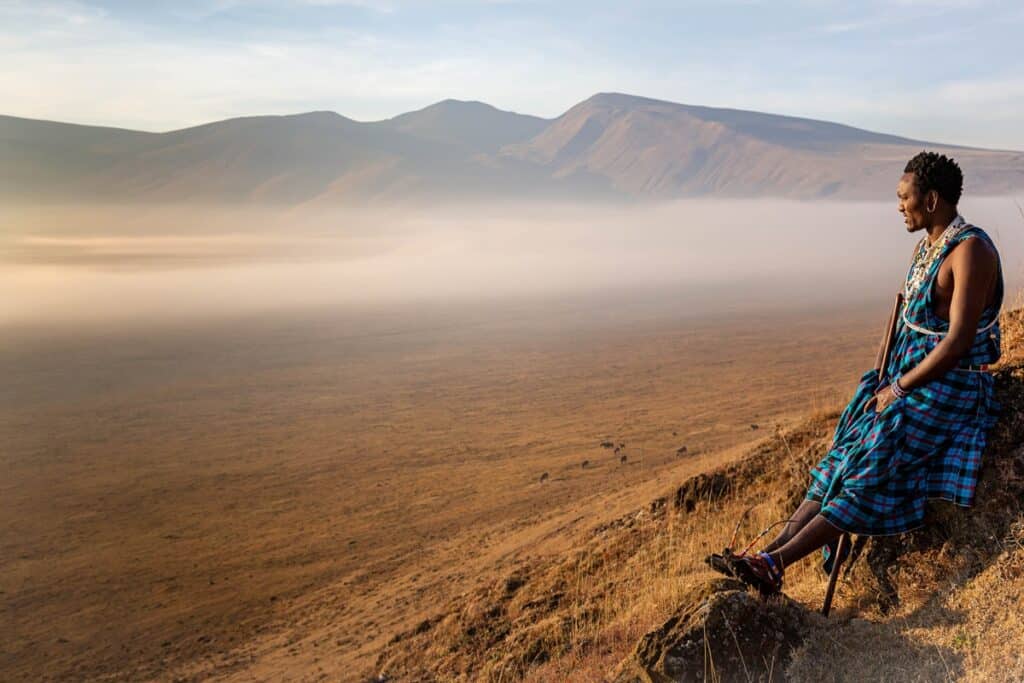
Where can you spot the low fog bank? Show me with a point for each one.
(101, 265)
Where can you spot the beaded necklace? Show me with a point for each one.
(925, 256)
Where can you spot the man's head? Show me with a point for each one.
(929, 190)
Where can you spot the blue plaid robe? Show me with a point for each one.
(882, 467)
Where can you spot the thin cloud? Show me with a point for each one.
(79, 63)
(945, 4)
(72, 13)
(385, 6)
(847, 27)
(1007, 91)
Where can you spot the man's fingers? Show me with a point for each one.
(870, 401)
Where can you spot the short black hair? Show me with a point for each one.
(933, 171)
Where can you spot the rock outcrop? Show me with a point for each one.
(721, 631)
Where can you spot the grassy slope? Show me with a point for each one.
(936, 604)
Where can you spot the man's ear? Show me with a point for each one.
(931, 200)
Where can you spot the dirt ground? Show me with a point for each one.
(274, 499)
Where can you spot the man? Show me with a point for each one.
(919, 431)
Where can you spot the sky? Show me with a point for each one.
(939, 70)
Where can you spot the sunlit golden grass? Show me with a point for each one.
(623, 579)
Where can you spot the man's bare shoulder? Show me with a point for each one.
(974, 252)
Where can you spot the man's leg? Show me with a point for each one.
(804, 514)
(812, 536)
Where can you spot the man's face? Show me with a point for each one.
(911, 204)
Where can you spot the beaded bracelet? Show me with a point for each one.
(897, 390)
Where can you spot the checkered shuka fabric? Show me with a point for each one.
(883, 466)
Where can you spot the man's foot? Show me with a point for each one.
(722, 563)
(759, 571)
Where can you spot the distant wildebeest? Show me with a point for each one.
(543, 477)
(622, 445)
(754, 427)
(617, 449)
(675, 433)
(584, 464)
(606, 444)
(622, 460)
(681, 450)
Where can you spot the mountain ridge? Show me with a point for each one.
(610, 146)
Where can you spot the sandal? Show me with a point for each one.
(722, 563)
(759, 571)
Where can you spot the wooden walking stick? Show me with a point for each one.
(885, 347)
(881, 364)
(844, 540)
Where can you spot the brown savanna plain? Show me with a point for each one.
(276, 497)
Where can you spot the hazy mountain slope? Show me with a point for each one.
(280, 159)
(475, 127)
(609, 146)
(42, 158)
(648, 147)
(273, 158)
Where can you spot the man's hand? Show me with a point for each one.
(882, 399)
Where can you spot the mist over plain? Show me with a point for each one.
(98, 265)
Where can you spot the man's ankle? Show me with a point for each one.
(774, 561)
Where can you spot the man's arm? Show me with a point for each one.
(974, 266)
